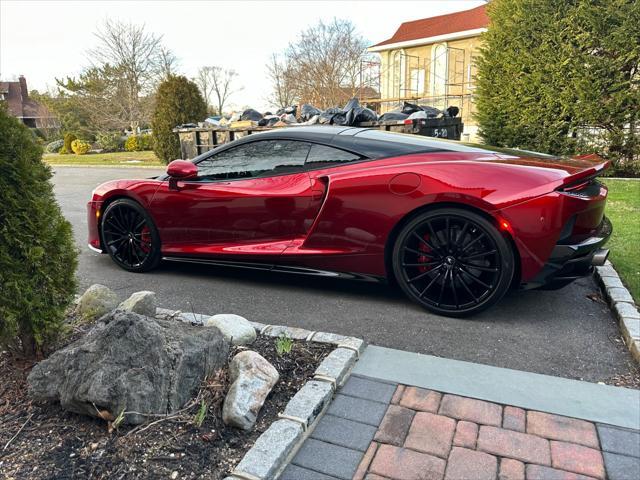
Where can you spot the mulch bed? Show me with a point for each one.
(45, 442)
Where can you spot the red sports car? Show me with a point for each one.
(455, 225)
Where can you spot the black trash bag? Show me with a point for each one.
(263, 122)
(251, 114)
(366, 115)
(328, 114)
(410, 108)
(339, 118)
(360, 114)
(393, 117)
(452, 111)
(272, 121)
(288, 110)
(431, 112)
(308, 111)
(351, 104)
(355, 114)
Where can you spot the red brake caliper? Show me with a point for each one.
(422, 247)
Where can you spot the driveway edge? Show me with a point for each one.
(623, 306)
(276, 447)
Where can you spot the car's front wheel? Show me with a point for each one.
(130, 236)
(453, 262)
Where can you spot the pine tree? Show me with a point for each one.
(38, 257)
(178, 101)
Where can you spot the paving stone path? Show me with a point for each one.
(375, 430)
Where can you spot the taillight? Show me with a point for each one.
(585, 188)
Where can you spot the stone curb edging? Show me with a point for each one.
(276, 446)
(623, 306)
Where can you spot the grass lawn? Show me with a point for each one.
(133, 159)
(623, 208)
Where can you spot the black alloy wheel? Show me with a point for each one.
(130, 236)
(453, 262)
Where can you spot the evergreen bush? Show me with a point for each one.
(139, 143)
(562, 77)
(68, 140)
(178, 101)
(79, 147)
(110, 141)
(38, 257)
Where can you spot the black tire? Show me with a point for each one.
(452, 262)
(129, 236)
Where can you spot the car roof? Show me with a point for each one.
(369, 143)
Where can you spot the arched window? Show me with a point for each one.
(439, 69)
(398, 73)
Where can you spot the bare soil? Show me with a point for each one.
(42, 441)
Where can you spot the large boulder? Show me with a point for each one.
(142, 303)
(236, 329)
(253, 378)
(97, 301)
(132, 363)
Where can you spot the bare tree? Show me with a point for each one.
(325, 62)
(217, 85)
(138, 59)
(167, 63)
(284, 92)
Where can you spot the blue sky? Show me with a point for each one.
(45, 39)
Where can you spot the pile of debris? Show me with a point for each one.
(351, 114)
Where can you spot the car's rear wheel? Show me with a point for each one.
(453, 262)
(130, 236)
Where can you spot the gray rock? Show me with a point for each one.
(97, 301)
(142, 303)
(132, 363)
(236, 329)
(253, 378)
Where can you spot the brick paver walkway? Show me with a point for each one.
(375, 431)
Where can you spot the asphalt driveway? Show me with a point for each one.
(561, 333)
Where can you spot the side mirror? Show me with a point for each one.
(182, 170)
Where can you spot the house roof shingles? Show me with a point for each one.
(440, 25)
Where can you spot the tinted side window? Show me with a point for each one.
(323, 156)
(255, 159)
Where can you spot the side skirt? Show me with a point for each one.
(277, 268)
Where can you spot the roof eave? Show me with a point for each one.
(427, 40)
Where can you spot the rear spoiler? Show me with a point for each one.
(578, 179)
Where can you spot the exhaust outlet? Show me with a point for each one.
(600, 257)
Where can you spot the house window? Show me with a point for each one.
(398, 73)
(439, 69)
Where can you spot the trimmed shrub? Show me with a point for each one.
(178, 101)
(139, 143)
(68, 139)
(54, 147)
(79, 147)
(38, 257)
(110, 141)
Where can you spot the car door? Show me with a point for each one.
(251, 198)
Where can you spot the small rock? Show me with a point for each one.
(236, 329)
(174, 475)
(142, 303)
(253, 378)
(96, 302)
